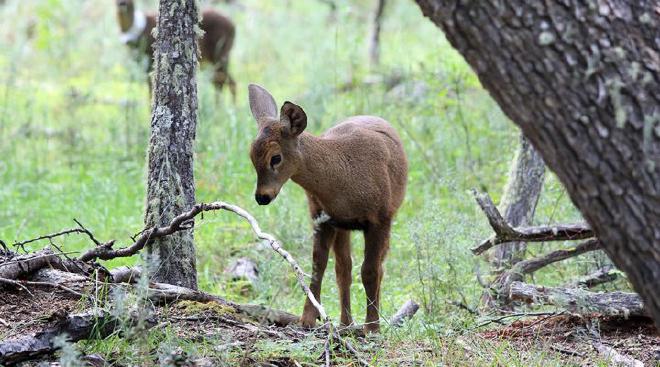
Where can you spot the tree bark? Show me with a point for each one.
(518, 204)
(170, 186)
(581, 81)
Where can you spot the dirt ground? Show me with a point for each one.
(561, 335)
(569, 336)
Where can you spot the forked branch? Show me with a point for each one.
(505, 233)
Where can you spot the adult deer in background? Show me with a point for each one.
(354, 176)
(215, 44)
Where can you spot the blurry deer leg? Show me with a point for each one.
(377, 238)
(343, 267)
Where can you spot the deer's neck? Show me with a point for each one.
(319, 157)
(132, 24)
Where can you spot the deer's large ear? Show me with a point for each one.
(293, 117)
(262, 103)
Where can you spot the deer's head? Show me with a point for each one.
(125, 11)
(275, 152)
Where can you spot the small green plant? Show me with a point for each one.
(69, 354)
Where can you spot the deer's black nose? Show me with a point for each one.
(262, 199)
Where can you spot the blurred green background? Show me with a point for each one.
(74, 124)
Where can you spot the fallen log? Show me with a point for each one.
(125, 274)
(243, 268)
(23, 265)
(407, 311)
(579, 300)
(76, 326)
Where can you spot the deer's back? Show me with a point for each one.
(215, 44)
(373, 166)
(219, 33)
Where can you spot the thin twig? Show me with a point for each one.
(54, 285)
(508, 316)
(17, 284)
(49, 236)
(87, 232)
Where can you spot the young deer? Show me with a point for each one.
(354, 176)
(215, 44)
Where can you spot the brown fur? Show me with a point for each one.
(215, 45)
(355, 173)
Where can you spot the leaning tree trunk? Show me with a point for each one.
(170, 186)
(518, 204)
(521, 194)
(581, 79)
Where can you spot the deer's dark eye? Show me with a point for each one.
(275, 160)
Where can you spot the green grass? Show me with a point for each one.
(74, 123)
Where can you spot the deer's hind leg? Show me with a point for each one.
(377, 243)
(343, 268)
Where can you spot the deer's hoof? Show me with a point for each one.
(371, 328)
(308, 322)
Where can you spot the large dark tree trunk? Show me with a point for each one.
(581, 79)
(170, 186)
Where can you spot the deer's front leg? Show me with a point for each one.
(323, 238)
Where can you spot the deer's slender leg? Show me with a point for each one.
(376, 238)
(343, 267)
(323, 239)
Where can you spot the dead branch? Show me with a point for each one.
(505, 233)
(579, 301)
(87, 232)
(407, 311)
(23, 265)
(614, 357)
(243, 268)
(125, 274)
(50, 236)
(531, 265)
(606, 274)
(16, 284)
(499, 320)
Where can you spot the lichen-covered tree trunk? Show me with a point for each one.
(170, 186)
(582, 80)
(518, 203)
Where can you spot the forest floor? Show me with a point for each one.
(234, 339)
